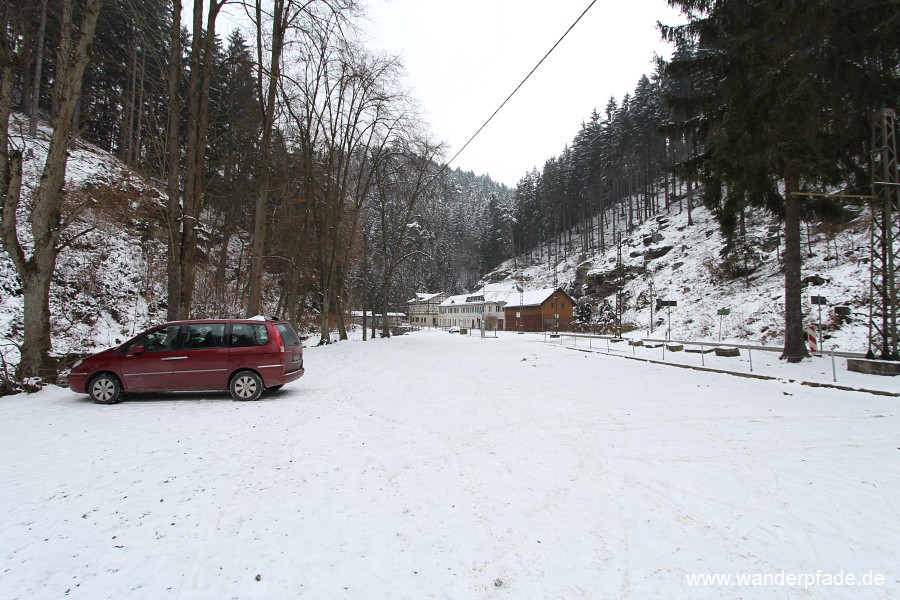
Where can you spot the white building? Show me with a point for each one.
(424, 309)
(500, 303)
(468, 310)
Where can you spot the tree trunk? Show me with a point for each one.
(385, 326)
(198, 119)
(365, 298)
(38, 64)
(36, 344)
(36, 271)
(257, 261)
(227, 232)
(192, 176)
(173, 160)
(690, 201)
(136, 143)
(339, 316)
(127, 125)
(325, 337)
(794, 342)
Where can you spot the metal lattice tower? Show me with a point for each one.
(620, 284)
(885, 232)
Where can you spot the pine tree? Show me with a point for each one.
(780, 93)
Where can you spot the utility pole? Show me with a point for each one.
(620, 284)
(884, 255)
(520, 284)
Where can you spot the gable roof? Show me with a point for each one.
(420, 297)
(506, 294)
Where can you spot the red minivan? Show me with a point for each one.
(243, 356)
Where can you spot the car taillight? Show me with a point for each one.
(278, 339)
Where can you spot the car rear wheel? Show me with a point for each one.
(246, 385)
(105, 389)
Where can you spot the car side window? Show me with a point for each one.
(245, 334)
(159, 340)
(205, 335)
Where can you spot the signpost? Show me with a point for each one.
(722, 312)
(820, 301)
(668, 304)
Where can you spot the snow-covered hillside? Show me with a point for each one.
(112, 264)
(683, 263)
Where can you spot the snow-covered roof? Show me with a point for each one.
(420, 297)
(502, 293)
(530, 297)
(457, 299)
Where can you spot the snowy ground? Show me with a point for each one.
(440, 466)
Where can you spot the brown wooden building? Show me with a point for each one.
(540, 310)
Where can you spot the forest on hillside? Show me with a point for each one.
(296, 152)
(764, 105)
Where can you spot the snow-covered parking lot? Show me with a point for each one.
(439, 466)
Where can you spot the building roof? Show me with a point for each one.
(424, 297)
(506, 294)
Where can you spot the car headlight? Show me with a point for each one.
(77, 363)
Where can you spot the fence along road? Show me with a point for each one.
(728, 358)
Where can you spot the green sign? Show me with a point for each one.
(723, 312)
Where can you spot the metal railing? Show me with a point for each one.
(704, 345)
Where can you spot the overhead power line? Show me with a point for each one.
(494, 114)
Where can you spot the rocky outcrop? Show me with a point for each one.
(654, 253)
(596, 283)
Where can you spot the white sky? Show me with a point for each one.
(464, 57)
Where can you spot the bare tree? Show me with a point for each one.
(343, 109)
(47, 221)
(184, 226)
(404, 174)
(173, 166)
(285, 15)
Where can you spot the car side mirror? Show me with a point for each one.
(136, 350)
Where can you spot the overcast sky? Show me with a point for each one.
(464, 57)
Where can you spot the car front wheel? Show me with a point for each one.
(105, 389)
(246, 385)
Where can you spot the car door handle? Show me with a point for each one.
(175, 358)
